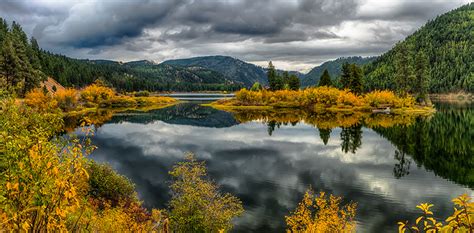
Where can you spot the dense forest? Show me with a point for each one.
(448, 43)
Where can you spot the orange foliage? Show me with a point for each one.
(387, 99)
(67, 99)
(40, 100)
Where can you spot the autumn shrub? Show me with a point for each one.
(107, 185)
(322, 213)
(196, 203)
(67, 99)
(43, 178)
(462, 219)
(386, 98)
(40, 100)
(324, 96)
(96, 93)
(347, 98)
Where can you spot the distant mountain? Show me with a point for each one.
(334, 68)
(234, 69)
(448, 41)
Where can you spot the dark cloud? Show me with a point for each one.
(165, 29)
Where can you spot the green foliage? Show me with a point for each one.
(294, 82)
(422, 76)
(448, 43)
(107, 185)
(19, 63)
(351, 78)
(196, 203)
(256, 87)
(325, 79)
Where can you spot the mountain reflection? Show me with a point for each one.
(268, 159)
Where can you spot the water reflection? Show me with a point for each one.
(269, 159)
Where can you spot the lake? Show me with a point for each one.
(269, 162)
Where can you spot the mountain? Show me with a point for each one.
(334, 68)
(133, 76)
(447, 41)
(234, 69)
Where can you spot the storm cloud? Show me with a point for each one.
(294, 34)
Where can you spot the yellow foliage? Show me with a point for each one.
(320, 213)
(462, 219)
(67, 98)
(96, 93)
(318, 99)
(387, 99)
(40, 100)
(196, 203)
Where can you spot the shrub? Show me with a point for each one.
(459, 221)
(322, 214)
(40, 100)
(67, 99)
(107, 185)
(196, 203)
(96, 94)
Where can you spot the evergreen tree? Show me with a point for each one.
(422, 74)
(355, 83)
(346, 76)
(9, 63)
(294, 82)
(404, 75)
(325, 79)
(272, 76)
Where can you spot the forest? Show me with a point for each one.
(445, 43)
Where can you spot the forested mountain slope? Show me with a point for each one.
(234, 69)
(447, 41)
(334, 68)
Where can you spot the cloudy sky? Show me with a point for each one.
(295, 34)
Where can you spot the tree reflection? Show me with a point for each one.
(351, 138)
(325, 134)
(402, 168)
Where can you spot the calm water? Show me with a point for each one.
(269, 165)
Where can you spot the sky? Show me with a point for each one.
(295, 35)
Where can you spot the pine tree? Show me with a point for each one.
(404, 75)
(9, 63)
(272, 76)
(346, 76)
(355, 83)
(422, 74)
(325, 79)
(294, 82)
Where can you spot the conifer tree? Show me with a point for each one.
(325, 79)
(355, 83)
(346, 76)
(294, 82)
(422, 74)
(272, 76)
(404, 74)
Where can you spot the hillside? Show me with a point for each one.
(334, 68)
(447, 41)
(234, 69)
(133, 76)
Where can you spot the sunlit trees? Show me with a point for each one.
(256, 87)
(322, 213)
(325, 79)
(196, 203)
